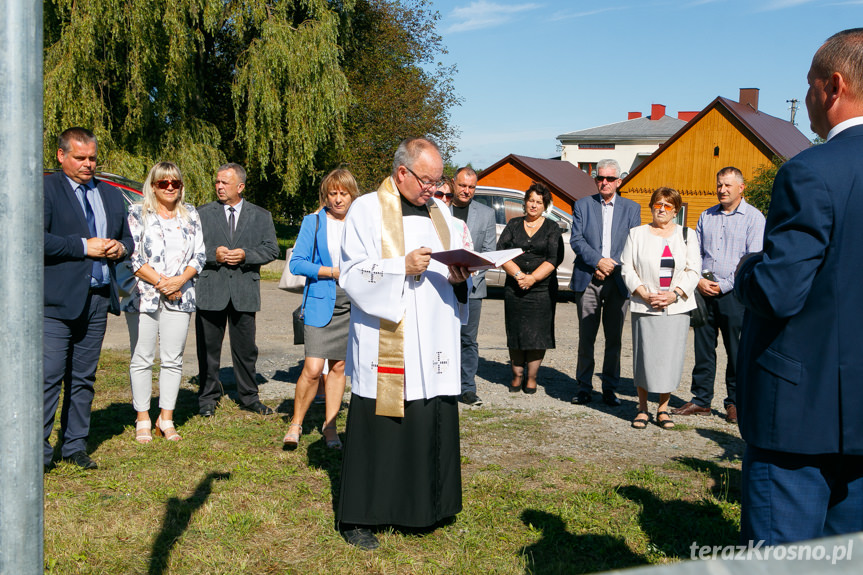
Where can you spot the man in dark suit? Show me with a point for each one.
(800, 371)
(600, 226)
(239, 238)
(86, 233)
(483, 232)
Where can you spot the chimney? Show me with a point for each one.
(686, 116)
(656, 111)
(749, 97)
(633, 115)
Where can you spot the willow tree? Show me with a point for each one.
(198, 82)
(398, 87)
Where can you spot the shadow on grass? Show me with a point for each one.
(329, 460)
(561, 552)
(178, 515)
(673, 526)
(111, 420)
(732, 443)
(558, 385)
(726, 480)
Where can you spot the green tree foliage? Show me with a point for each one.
(289, 89)
(197, 82)
(398, 87)
(760, 185)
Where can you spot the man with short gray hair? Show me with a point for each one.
(726, 232)
(600, 226)
(239, 238)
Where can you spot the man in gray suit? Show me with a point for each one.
(600, 226)
(239, 238)
(480, 223)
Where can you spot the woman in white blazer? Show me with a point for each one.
(660, 264)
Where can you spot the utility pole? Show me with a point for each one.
(794, 102)
(21, 262)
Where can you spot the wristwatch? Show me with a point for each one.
(518, 274)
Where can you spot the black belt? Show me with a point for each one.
(104, 291)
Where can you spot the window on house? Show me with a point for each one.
(588, 168)
(596, 146)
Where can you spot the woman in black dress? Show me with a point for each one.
(530, 294)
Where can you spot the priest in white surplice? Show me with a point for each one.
(401, 463)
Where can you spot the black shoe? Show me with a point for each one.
(582, 398)
(362, 538)
(47, 468)
(528, 390)
(207, 411)
(470, 398)
(82, 460)
(259, 408)
(610, 399)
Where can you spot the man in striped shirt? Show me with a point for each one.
(726, 232)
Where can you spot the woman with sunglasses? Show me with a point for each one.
(169, 253)
(445, 194)
(660, 264)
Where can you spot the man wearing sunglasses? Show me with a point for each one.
(86, 233)
(239, 238)
(480, 223)
(726, 232)
(600, 226)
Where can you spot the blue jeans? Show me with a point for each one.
(470, 347)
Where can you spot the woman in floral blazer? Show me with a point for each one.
(169, 253)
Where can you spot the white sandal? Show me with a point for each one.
(142, 431)
(163, 429)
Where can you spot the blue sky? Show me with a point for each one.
(531, 70)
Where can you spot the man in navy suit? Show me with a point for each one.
(600, 226)
(86, 232)
(800, 370)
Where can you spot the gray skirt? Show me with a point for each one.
(658, 350)
(331, 341)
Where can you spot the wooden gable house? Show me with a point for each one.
(725, 133)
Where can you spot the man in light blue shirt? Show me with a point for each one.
(726, 232)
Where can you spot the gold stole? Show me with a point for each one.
(391, 343)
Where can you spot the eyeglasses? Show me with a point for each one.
(424, 184)
(663, 207)
(440, 195)
(608, 179)
(163, 184)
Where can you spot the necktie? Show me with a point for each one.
(232, 221)
(91, 223)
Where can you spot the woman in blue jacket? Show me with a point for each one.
(327, 308)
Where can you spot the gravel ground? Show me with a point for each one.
(593, 432)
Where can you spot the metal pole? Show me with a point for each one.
(21, 260)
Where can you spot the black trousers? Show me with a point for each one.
(209, 334)
(724, 315)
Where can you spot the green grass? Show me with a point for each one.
(227, 499)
